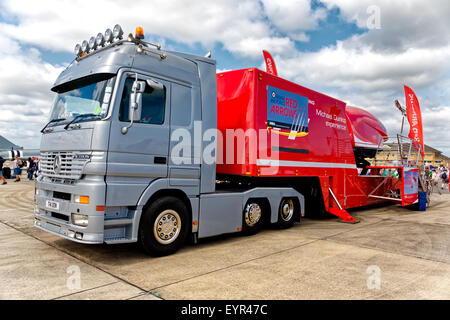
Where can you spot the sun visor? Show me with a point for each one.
(108, 61)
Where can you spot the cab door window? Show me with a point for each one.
(153, 103)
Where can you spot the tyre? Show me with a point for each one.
(253, 217)
(164, 226)
(286, 213)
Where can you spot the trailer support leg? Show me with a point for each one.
(341, 213)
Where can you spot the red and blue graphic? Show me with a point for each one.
(287, 110)
(410, 186)
(411, 182)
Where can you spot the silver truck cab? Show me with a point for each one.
(106, 154)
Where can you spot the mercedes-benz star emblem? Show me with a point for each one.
(57, 164)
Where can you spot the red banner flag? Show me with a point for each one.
(414, 118)
(270, 63)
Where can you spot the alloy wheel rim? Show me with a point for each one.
(167, 226)
(287, 209)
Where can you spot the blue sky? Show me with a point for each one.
(334, 46)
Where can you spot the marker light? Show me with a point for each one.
(77, 50)
(92, 43)
(139, 33)
(85, 46)
(82, 199)
(108, 36)
(117, 32)
(100, 40)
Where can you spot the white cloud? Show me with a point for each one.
(238, 25)
(436, 122)
(404, 23)
(366, 69)
(25, 96)
(293, 17)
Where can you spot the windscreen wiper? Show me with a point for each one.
(51, 121)
(80, 116)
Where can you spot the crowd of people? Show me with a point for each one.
(438, 176)
(31, 166)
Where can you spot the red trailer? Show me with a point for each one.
(319, 141)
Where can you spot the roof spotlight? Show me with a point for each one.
(85, 46)
(117, 32)
(100, 40)
(77, 50)
(92, 43)
(108, 36)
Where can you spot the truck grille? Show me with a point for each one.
(67, 168)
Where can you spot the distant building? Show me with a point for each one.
(6, 145)
(390, 153)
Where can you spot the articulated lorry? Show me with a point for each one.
(152, 146)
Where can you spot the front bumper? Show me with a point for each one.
(59, 222)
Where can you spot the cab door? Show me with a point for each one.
(139, 156)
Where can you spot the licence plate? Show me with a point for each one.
(52, 205)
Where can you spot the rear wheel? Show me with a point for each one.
(286, 213)
(252, 217)
(164, 226)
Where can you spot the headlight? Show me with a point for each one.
(81, 220)
(108, 36)
(117, 32)
(92, 43)
(85, 46)
(100, 40)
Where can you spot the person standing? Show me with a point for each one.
(17, 168)
(35, 167)
(444, 177)
(2, 161)
(30, 168)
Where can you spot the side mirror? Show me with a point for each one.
(135, 109)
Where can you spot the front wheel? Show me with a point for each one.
(164, 226)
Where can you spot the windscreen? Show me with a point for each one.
(88, 96)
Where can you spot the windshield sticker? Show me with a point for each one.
(287, 111)
(106, 97)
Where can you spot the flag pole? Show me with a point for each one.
(403, 111)
(400, 144)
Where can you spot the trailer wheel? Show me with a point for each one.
(253, 217)
(286, 213)
(164, 226)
